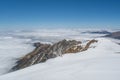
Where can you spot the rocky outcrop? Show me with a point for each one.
(43, 52)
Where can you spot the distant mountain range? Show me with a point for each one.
(115, 35)
(98, 32)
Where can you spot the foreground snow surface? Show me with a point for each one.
(99, 63)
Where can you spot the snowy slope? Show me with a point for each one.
(99, 63)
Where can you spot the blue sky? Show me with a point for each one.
(59, 13)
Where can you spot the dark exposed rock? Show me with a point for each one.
(79, 48)
(37, 44)
(88, 44)
(43, 52)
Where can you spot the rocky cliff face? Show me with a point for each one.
(43, 52)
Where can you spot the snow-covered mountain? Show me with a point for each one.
(99, 63)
